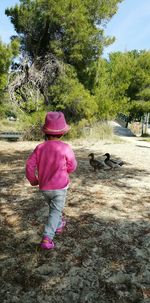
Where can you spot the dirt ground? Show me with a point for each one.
(103, 255)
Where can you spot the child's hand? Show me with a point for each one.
(35, 183)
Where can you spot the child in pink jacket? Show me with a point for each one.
(49, 166)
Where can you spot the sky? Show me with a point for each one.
(130, 25)
(6, 28)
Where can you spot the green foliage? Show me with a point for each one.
(73, 31)
(122, 84)
(139, 88)
(137, 109)
(103, 91)
(109, 90)
(144, 94)
(66, 28)
(121, 68)
(70, 96)
(7, 109)
(15, 45)
(33, 100)
(140, 73)
(32, 126)
(7, 53)
(5, 59)
(76, 130)
(89, 86)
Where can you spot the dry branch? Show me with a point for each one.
(40, 75)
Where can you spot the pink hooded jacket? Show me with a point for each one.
(50, 164)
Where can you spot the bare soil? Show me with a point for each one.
(103, 255)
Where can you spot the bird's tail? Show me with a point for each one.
(121, 163)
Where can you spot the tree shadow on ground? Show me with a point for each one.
(14, 171)
(119, 178)
(104, 260)
(143, 146)
(100, 257)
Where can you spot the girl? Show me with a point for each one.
(53, 161)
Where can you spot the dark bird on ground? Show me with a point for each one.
(95, 163)
(112, 163)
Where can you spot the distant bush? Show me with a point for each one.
(76, 130)
(92, 130)
(32, 126)
(83, 129)
(6, 108)
(33, 133)
(99, 130)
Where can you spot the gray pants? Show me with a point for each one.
(56, 201)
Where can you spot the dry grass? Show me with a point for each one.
(7, 125)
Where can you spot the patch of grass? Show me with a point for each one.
(32, 131)
(145, 139)
(92, 131)
(101, 131)
(7, 125)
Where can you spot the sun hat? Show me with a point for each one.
(55, 124)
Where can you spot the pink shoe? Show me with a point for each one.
(47, 243)
(61, 228)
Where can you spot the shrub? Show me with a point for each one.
(90, 130)
(32, 126)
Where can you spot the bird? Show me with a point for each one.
(95, 163)
(112, 163)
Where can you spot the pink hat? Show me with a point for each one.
(55, 124)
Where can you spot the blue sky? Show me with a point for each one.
(130, 26)
(6, 28)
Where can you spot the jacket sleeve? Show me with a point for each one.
(71, 162)
(31, 166)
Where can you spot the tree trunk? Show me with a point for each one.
(145, 121)
(142, 122)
